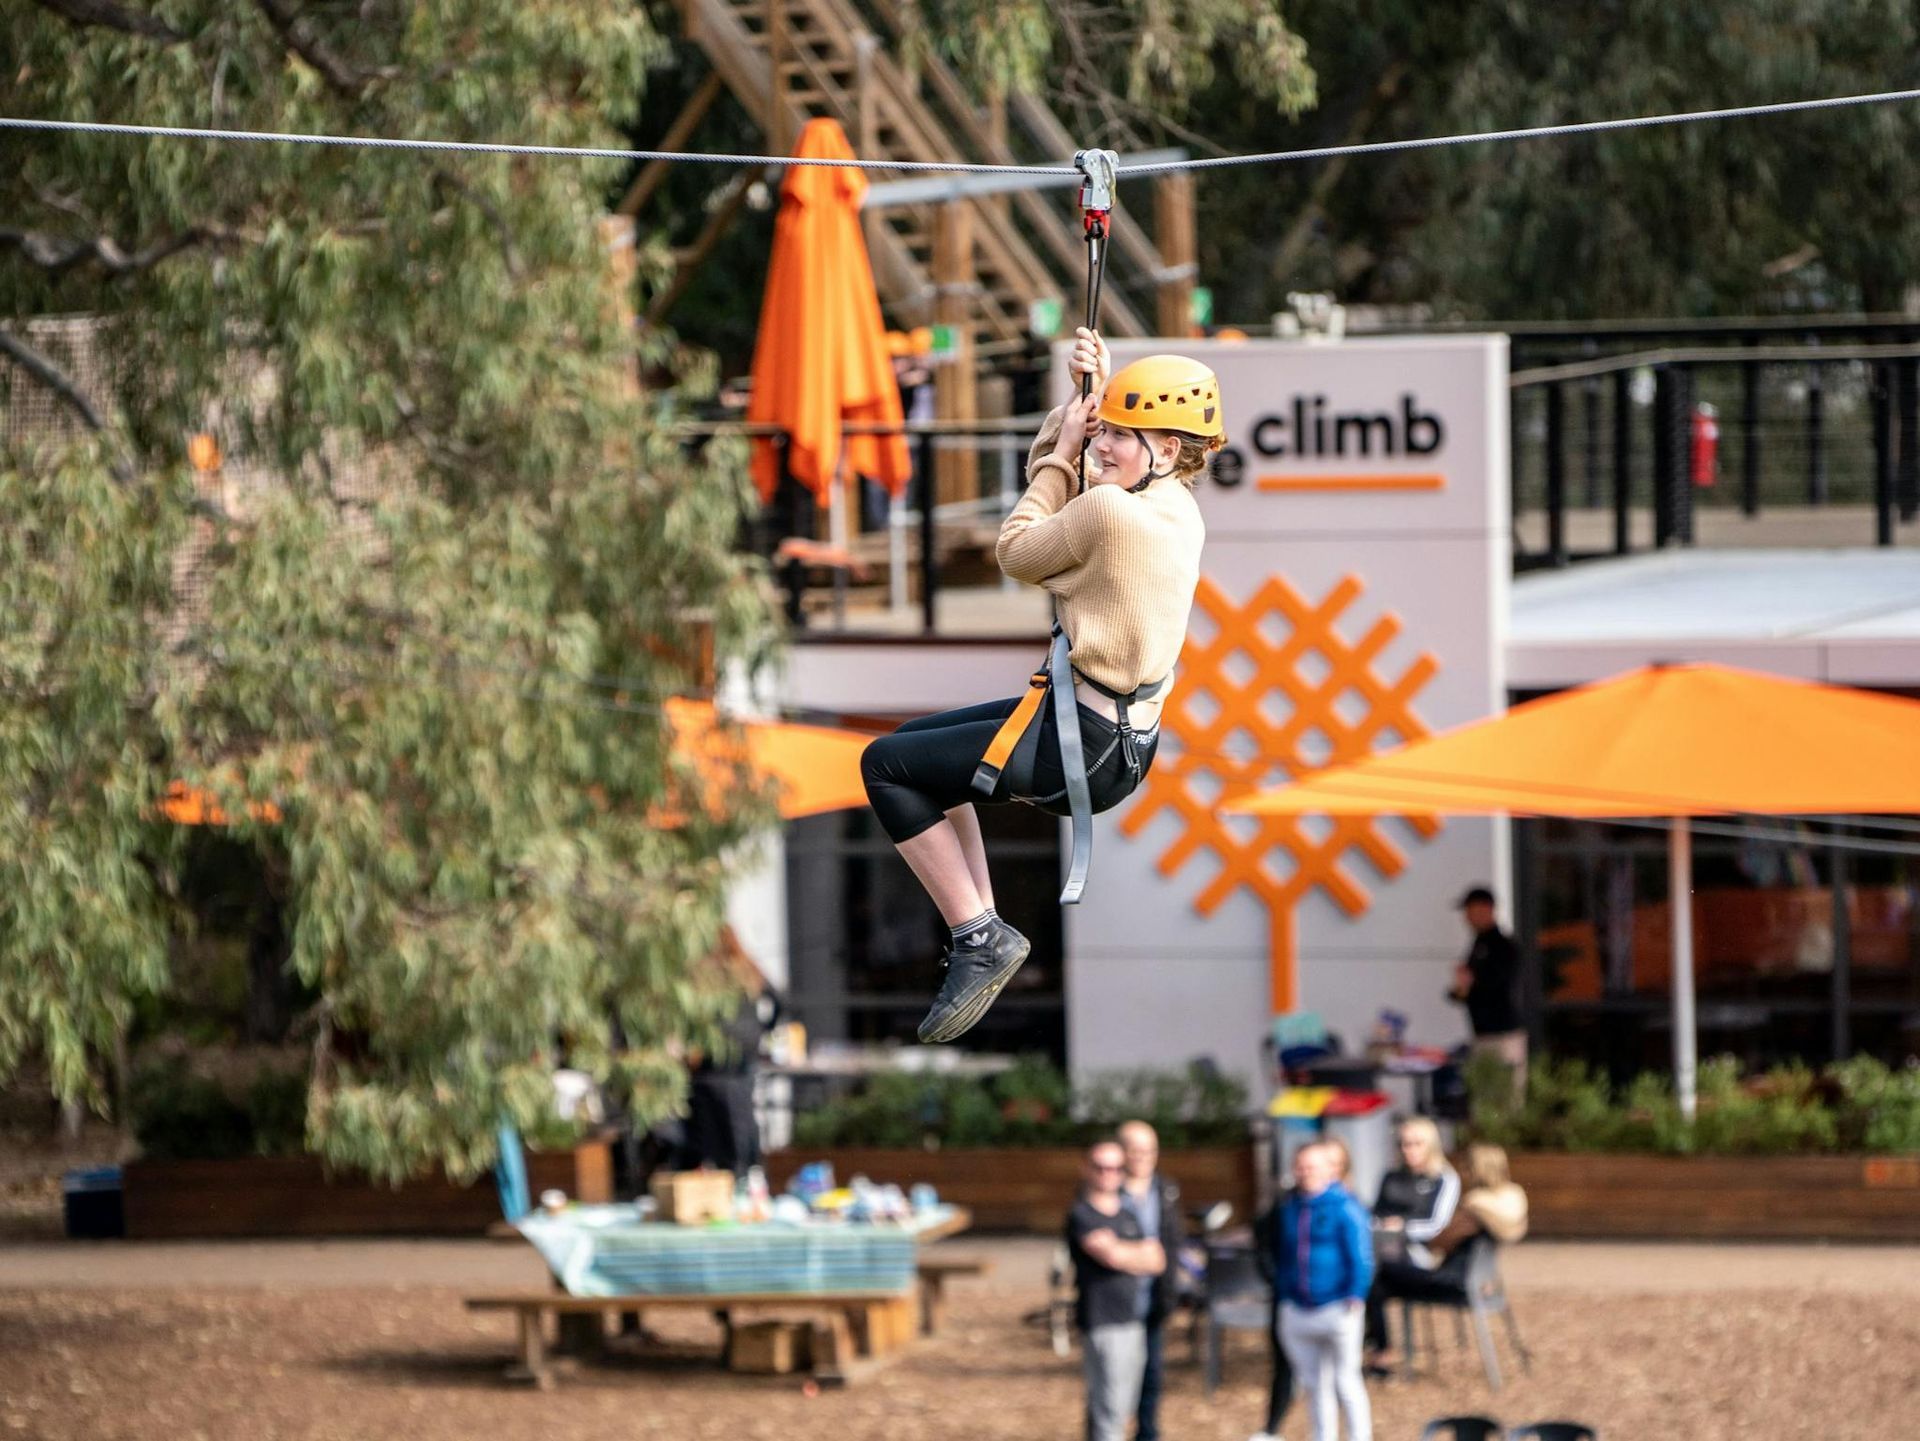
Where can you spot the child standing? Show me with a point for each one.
(1323, 1266)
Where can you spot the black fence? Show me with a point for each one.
(1757, 426)
(1623, 438)
(980, 466)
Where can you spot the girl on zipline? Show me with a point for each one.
(1118, 546)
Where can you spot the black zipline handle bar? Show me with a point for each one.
(1099, 176)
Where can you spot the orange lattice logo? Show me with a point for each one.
(1276, 692)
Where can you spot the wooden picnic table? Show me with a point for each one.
(852, 1329)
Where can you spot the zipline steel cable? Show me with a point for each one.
(483, 147)
(1275, 157)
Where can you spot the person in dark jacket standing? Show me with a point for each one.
(1155, 1202)
(1487, 983)
(1323, 1267)
(1266, 1238)
(1110, 1260)
(722, 1130)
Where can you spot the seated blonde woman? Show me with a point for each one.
(1492, 1206)
(1416, 1204)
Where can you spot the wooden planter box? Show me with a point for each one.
(292, 1196)
(1021, 1188)
(1839, 1198)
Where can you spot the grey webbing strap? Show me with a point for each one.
(1073, 765)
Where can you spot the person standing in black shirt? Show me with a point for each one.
(1110, 1258)
(1155, 1201)
(1487, 983)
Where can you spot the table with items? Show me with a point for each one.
(849, 1262)
(612, 1251)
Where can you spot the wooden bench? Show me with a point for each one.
(935, 1272)
(852, 1324)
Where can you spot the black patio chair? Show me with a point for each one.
(1461, 1428)
(1553, 1431)
(1473, 1287)
(1236, 1297)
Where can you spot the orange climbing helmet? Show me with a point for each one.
(1167, 392)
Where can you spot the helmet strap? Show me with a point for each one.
(1152, 475)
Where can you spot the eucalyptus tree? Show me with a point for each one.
(330, 493)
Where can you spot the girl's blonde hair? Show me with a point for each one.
(1488, 1163)
(1423, 1127)
(1190, 461)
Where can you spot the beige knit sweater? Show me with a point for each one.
(1121, 567)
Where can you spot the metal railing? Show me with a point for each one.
(1802, 426)
(1812, 416)
(980, 464)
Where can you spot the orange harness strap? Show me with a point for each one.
(987, 775)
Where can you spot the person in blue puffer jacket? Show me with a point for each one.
(1323, 1266)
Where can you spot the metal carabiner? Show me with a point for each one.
(1099, 176)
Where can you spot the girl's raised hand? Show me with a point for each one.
(1076, 416)
(1090, 357)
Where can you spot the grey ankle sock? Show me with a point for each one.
(986, 918)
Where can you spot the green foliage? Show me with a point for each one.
(179, 1114)
(460, 567)
(277, 1107)
(1032, 1104)
(1166, 54)
(83, 558)
(1855, 1106)
(1800, 212)
(1879, 1107)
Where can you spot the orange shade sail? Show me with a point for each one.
(821, 358)
(1682, 740)
(816, 768)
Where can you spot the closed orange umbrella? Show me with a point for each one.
(821, 358)
(1676, 741)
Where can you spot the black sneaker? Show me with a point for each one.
(978, 968)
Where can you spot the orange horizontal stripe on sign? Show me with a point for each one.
(1351, 482)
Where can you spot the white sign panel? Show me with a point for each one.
(1353, 595)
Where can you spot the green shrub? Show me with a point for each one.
(277, 1109)
(1032, 1104)
(1858, 1105)
(179, 1115)
(1878, 1106)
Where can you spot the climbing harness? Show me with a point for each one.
(1013, 752)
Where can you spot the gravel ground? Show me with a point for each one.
(362, 1341)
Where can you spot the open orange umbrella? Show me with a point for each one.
(1674, 741)
(821, 357)
(1682, 740)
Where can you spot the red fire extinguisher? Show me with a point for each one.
(1706, 445)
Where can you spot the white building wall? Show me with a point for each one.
(1151, 980)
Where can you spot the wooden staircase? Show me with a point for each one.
(979, 263)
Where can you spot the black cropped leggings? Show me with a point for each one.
(925, 769)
